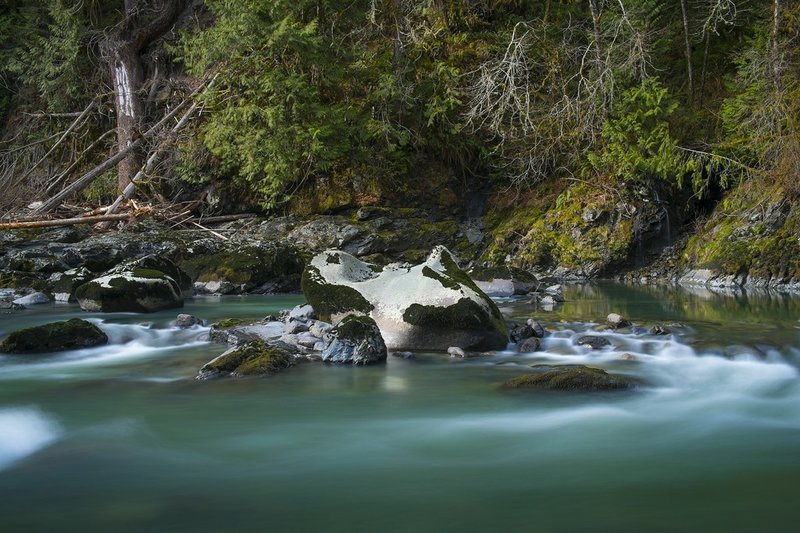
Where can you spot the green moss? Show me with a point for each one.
(570, 378)
(355, 327)
(147, 273)
(228, 323)
(328, 299)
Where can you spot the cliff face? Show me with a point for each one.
(750, 238)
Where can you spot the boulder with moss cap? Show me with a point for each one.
(54, 337)
(146, 285)
(431, 306)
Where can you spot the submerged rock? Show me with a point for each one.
(531, 344)
(356, 340)
(54, 337)
(185, 321)
(659, 330)
(570, 378)
(253, 358)
(429, 306)
(592, 341)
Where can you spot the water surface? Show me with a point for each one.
(123, 438)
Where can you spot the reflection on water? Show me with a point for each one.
(122, 438)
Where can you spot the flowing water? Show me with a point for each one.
(122, 438)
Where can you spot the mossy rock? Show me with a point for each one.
(249, 267)
(254, 358)
(125, 292)
(570, 378)
(54, 337)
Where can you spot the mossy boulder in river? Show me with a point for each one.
(431, 306)
(254, 358)
(356, 340)
(145, 286)
(57, 336)
(570, 378)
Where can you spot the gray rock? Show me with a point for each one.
(403, 355)
(592, 341)
(308, 340)
(295, 326)
(319, 328)
(521, 332)
(503, 280)
(185, 321)
(429, 306)
(214, 287)
(617, 321)
(456, 351)
(659, 330)
(37, 298)
(556, 292)
(356, 340)
(530, 344)
(302, 312)
(538, 330)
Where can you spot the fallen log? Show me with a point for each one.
(63, 222)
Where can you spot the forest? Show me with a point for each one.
(321, 106)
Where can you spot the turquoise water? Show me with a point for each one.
(123, 438)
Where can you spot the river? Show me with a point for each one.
(122, 438)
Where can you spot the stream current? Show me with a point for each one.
(123, 438)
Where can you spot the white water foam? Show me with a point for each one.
(126, 342)
(24, 431)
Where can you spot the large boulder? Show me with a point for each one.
(356, 340)
(570, 378)
(54, 337)
(253, 358)
(146, 285)
(431, 306)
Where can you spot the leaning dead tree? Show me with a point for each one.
(143, 22)
(158, 129)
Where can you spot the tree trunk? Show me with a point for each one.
(776, 28)
(127, 76)
(121, 50)
(686, 37)
(596, 27)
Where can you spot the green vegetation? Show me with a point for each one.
(255, 358)
(324, 105)
(570, 378)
